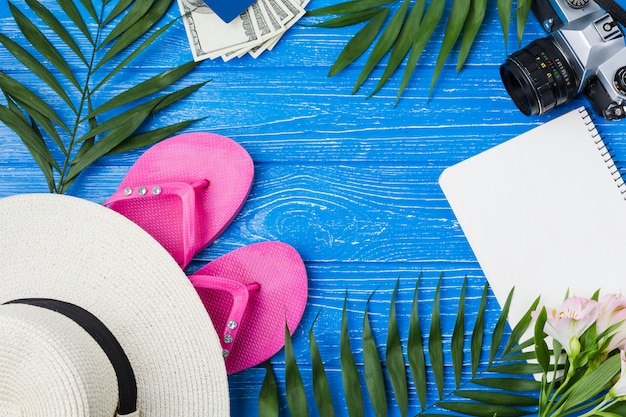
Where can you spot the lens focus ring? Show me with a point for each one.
(539, 77)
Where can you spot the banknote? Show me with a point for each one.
(253, 32)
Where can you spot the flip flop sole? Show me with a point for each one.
(188, 158)
(280, 299)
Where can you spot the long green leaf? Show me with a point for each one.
(472, 25)
(523, 8)
(510, 384)
(505, 8)
(517, 368)
(458, 14)
(45, 123)
(415, 350)
(108, 142)
(145, 44)
(429, 23)
(349, 373)
(321, 389)
(359, 43)
(23, 94)
(498, 398)
(144, 89)
(268, 396)
(541, 347)
(296, 395)
(458, 337)
(435, 342)
(350, 7)
(498, 330)
(136, 12)
(151, 137)
(482, 410)
(140, 28)
(593, 383)
(119, 8)
(400, 49)
(36, 68)
(520, 328)
(374, 379)
(396, 367)
(90, 9)
(58, 28)
(43, 45)
(29, 136)
(384, 44)
(349, 19)
(476, 344)
(42, 160)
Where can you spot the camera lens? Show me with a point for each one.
(539, 77)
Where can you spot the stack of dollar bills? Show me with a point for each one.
(254, 31)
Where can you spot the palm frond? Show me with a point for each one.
(502, 385)
(119, 122)
(401, 30)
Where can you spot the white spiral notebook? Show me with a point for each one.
(545, 213)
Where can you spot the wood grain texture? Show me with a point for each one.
(350, 182)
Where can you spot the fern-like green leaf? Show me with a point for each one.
(472, 25)
(401, 47)
(523, 8)
(395, 359)
(427, 27)
(296, 395)
(415, 350)
(374, 378)
(478, 333)
(350, 7)
(321, 389)
(482, 410)
(349, 373)
(268, 396)
(384, 44)
(505, 8)
(458, 337)
(498, 331)
(458, 14)
(435, 342)
(117, 125)
(359, 43)
(349, 19)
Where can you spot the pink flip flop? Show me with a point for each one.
(249, 293)
(185, 191)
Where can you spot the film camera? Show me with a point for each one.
(583, 52)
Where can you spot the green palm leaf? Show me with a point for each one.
(410, 30)
(120, 122)
(395, 359)
(268, 396)
(349, 372)
(296, 395)
(321, 389)
(458, 338)
(415, 351)
(374, 378)
(435, 342)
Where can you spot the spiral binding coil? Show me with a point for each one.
(605, 152)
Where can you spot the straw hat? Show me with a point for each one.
(97, 319)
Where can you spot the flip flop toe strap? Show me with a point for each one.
(187, 194)
(240, 296)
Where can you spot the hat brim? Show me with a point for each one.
(76, 251)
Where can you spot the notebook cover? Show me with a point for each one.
(544, 212)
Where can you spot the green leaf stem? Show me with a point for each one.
(63, 129)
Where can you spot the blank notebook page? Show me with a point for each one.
(544, 212)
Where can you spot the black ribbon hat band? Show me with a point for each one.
(127, 384)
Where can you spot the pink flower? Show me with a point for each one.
(613, 311)
(567, 323)
(619, 389)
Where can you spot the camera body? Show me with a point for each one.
(583, 52)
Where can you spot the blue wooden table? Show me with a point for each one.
(350, 182)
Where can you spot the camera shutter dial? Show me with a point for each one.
(577, 4)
